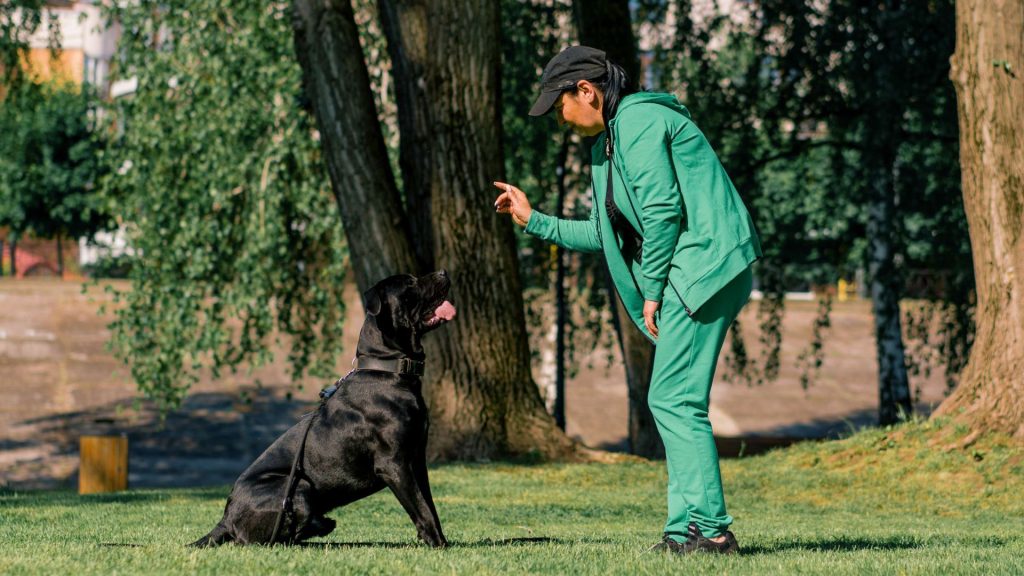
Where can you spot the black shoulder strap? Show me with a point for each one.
(631, 239)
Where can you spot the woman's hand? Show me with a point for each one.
(650, 309)
(513, 201)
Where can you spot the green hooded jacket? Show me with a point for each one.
(669, 184)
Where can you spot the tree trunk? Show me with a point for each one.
(337, 83)
(988, 72)
(606, 24)
(638, 357)
(60, 258)
(482, 399)
(561, 304)
(893, 385)
(894, 402)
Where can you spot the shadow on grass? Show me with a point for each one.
(347, 545)
(479, 544)
(18, 499)
(857, 544)
(132, 497)
(208, 441)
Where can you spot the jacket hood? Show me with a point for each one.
(660, 98)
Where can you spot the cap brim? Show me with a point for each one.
(544, 103)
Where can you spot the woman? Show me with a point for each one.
(679, 244)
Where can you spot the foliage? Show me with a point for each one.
(789, 92)
(19, 19)
(220, 184)
(849, 507)
(50, 149)
(109, 266)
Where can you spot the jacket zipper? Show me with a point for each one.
(611, 170)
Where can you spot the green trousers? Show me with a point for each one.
(684, 367)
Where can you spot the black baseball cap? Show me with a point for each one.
(573, 64)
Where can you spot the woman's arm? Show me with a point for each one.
(579, 235)
(645, 144)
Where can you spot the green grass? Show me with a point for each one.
(893, 501)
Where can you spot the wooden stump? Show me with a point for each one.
(103, 464)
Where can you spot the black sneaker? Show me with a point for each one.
(667, 544)
(696, 541)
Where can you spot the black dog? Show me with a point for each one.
(370, 431)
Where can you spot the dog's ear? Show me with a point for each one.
(371, 301)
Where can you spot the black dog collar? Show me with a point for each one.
(400, 366)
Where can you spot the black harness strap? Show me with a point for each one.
(632, 241)
(287, 506)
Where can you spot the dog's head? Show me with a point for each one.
(401, 309)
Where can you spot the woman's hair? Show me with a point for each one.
(615, 85)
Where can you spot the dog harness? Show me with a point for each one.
(288, 506)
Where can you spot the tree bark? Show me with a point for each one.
(638, 357)
(606, 24)
(482, 398)
(60, 257)
(988, 73)
(894, 403)
(561, 303)
(337, 83)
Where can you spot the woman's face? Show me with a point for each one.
(581, 109)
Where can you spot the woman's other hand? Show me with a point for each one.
(513, 201)
(650, 309)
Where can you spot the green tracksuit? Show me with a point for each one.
(698, 245)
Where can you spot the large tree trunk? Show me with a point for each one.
(482, 399)
(337, 83)
(606, 24)
(988, 72)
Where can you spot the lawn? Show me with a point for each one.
(906, 500)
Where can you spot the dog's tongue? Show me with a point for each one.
(445, 311)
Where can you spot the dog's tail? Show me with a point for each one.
(219, 535)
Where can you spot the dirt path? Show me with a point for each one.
(58, 382)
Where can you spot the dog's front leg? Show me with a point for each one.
(420, 469)
(402, 480)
